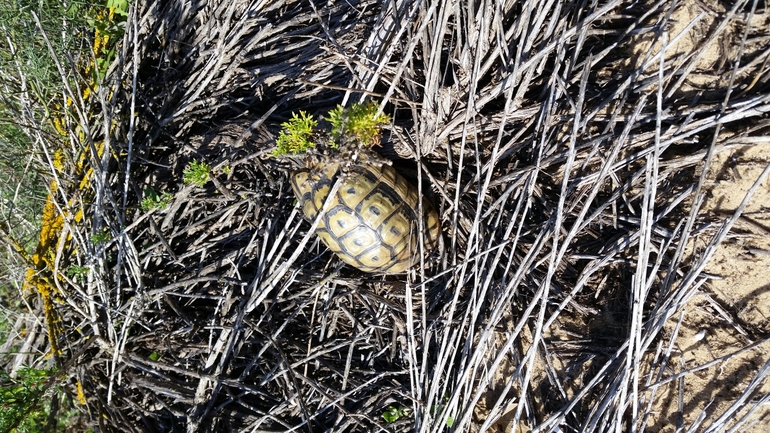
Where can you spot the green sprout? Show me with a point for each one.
(360, 122)
(197, 173)
(436, 409)
(101, 237)
(77, 273)
(392, 414)
(295, 136)
(153, 200)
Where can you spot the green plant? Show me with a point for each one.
(109, 26)
(31, 85)
(77, 273)
(437, 409)
(101, 237)
(295, 137)
(360, 122)
(393, 413)
(153, 200)
(197, 173)
(5, 321)
(37, 114)
(22, 403)
(119, 6)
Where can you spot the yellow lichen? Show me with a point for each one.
(58, 164)
(40, 277)
(42, 263)
(81, 397)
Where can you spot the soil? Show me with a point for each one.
(732, 311)
(721, 337)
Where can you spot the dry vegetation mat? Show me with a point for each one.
(568, 148)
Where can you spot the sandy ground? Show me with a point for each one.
(730, 312)
(720, 338)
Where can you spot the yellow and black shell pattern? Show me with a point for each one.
(372, 223)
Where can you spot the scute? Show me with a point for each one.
(359, 240)
(396, 228)
(340, 220)
(356, 188)
(375, 208)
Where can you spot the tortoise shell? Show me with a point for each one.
(372, 223)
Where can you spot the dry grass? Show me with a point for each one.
(567, 158)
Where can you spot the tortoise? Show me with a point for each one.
(372, 221)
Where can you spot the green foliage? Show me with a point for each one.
(22, 195)
(393, 414)
(120, 7)
(435, 410)
(295, 137)
(101, 237)
(22, 402)
(359, 122)
(24, 50)
(6, 323)
(30, 82)
(112, 26)
(197, 173)
(31, 102)
(153, 200)
(77, 273)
